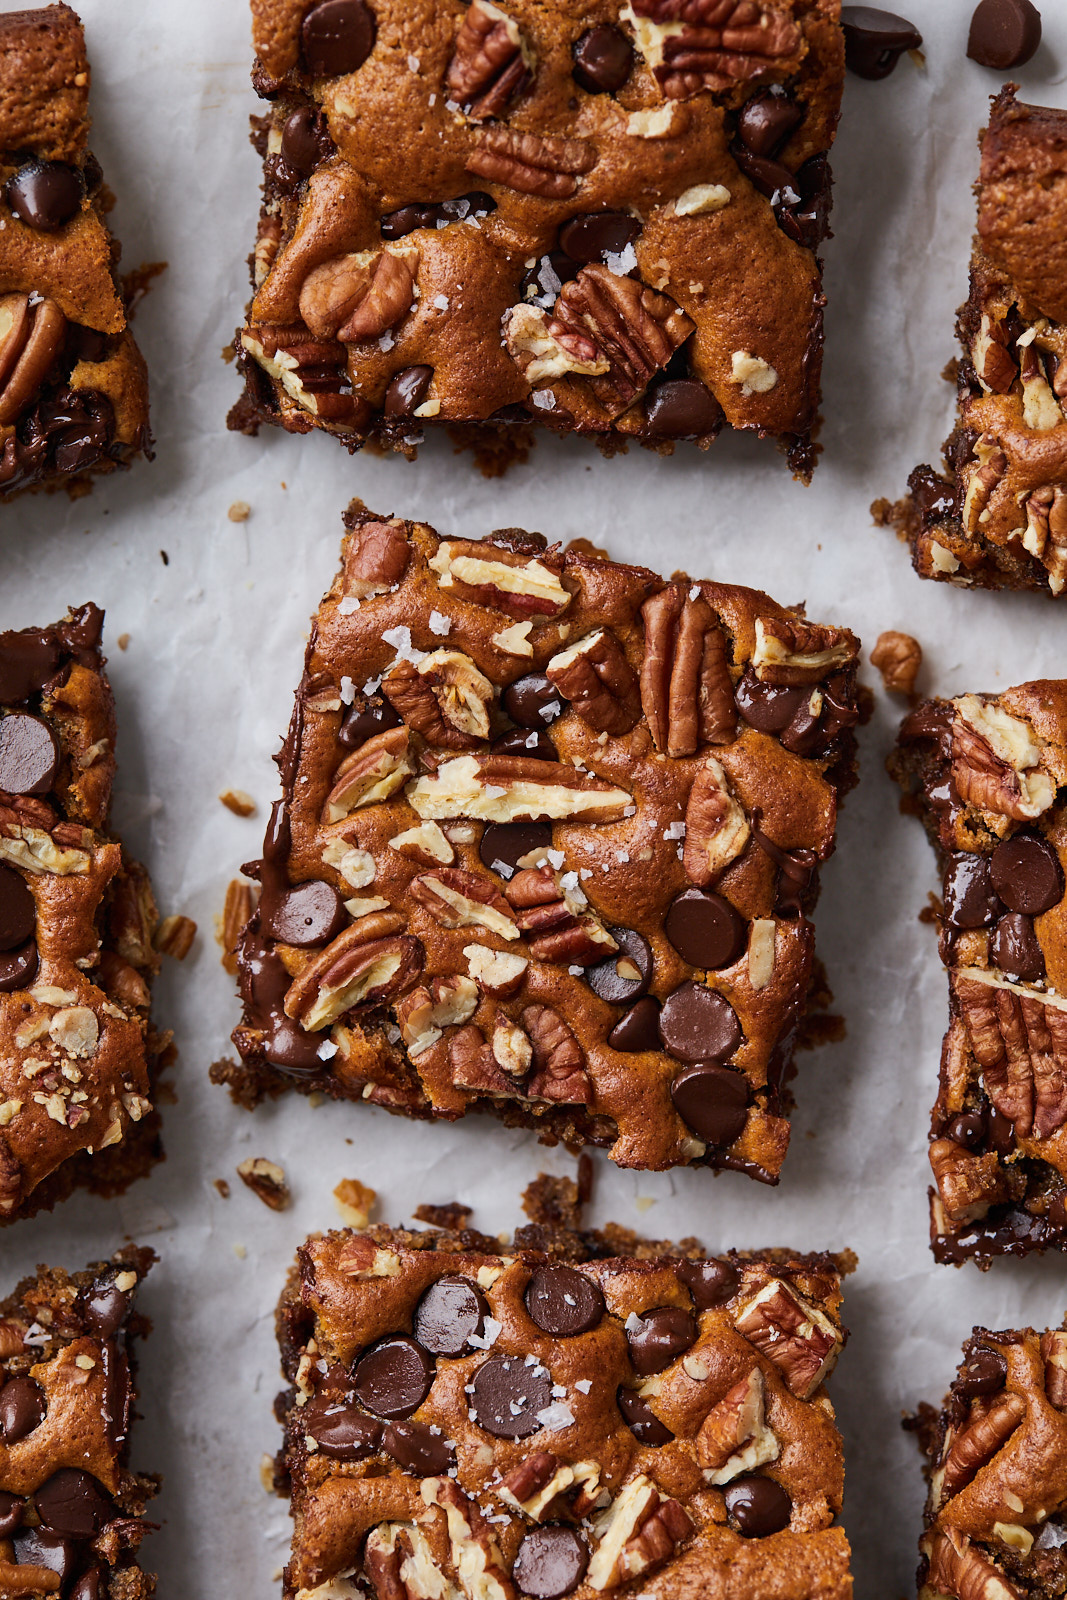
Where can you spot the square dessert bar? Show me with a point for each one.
(996, 515)
(78, 1054)
(71, 1511)
(996, 1514)
(602, 218)
(984, 773)
(549, 836)
(73, 386)
(568, 1415)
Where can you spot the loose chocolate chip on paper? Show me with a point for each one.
(713, 1101)
(682, 408)
(420, 1448)
(1004, 33)
(73, 1504)
(531, 744)
(765, 121)
(550, 1562)
(507, 1396)
(407, 390)
(18, 967)
(638, 1029)
(563, 1302)
(22, 1408)
(1014, 948)
(659, 1337)
(595, 235)
(626, 973)
(29, 754)
(641, 1420)
(984, 1372)
(363, 722)
(876, 40)
(18, 914)
(711, 1283)
(38, 1547)
(451, 1310)
(337, 37)
(603, 57)
(12, 1510)
(705, 929)
(341, 1430)
(969, 897)
(533, 701)
(45, 194)
(698, 1024)
(757, 1506)
(507, 843)
(394, 1377)
(309, 914)
(1025, 871)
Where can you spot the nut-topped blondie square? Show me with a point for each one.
(549, 837)
(566, 1415)
(78, 1054)
(996, 516)
(605, 219)
(984, 772)
(73, 386)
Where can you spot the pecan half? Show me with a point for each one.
(532, 1485)
(31, 338)
(375, 558)
(358, 296)
(12, 1338)
(557, 920)
(496, 1066)
(548, 167)
(976, 1445)
(401, 1564)
(995, 760)
(445, 698)
(716, 828)
(515, 789)
(523, 585)
(956, 1568)
(457, 898)
(638, 1530)
(595, 676)
(734, 1436)
(714, 44)
(370, 774)
(313, 372)
(686, 689)
(559, 1063)
(1054, 1355)
(898, 657)
(792, 652)
(1019, 1039)
(490, 63)
(423, 1014)
(796, 1336)
(361, 968)
(634, 328)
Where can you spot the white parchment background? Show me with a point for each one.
(204, 692)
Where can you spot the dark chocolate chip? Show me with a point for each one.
(769, 177)
(1004, 33)
(638, 1029)
(614, 978)
(405, 219)
(341, 1430)
(18, 967)
(1014, 948)
(394, 1377)
(45, 194)
(508, 1394)
(12, 1510)
(311, 913)
(603, 58)
(682, 408)
(303, 141)
(18, 915)
(22, 1408)
(27, 661)
(757, 1506)
(641, 1419)
(550, 1561)
(768, 707)
(103, 1308)
(767, 119)
(38, 1547)
(969, 897)
(73, 1504)
(363, 722)
(533, 701)
(420, 1448)
(562, 1301)
(1001, 1132)
(876, 40)
(656, 1338)
(90, 1586)
(711, 1283)
(968, 1130)
(699, 1024)
(532, 745)
(507, 843)
(713, 1101)
(595, 235)
(29, 754)
(1026, 873)
(407, 390)
(451, 1310)
(984, 1372)
(337, 37)
(705, 929)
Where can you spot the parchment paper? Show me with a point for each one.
(204, 692)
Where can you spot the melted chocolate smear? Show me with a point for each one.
(970, 900)
(61, 435)
(264, 984)
(506, 844)
(37, 1547)
(12, 1510)
(72, 1504)
(1015, 949)
(22, 1408)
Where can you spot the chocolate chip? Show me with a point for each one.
(768, 707)
(705, 929)
(1014, 948)
(508, 1394)
(711, 1283)
(405, 219)
(1001, 1132)
(562, 1301)
(37, 1547)
(876, 40)
(73, 1504)
(769, 177)
(303, 140)
(658, 1337)
(45, 194)
(603, 57)
(337, 37)
(508, 842)
(638, 1029)
(29, 754)
(309, 914)
(341, 1430)
(22, 1408)
(394, 1377)
(627, 973)
(698, 1024)
(550, 1561)
(713, 1101)
(407, 390)
(363, 722)
(533, 701)
(12, 1509)
(765, 121)
(103, 1308)
(27, 661)
(18, 914)
(757, 1506)
(532, 745)
(450, 1311)
(968, 1130)
(1026, 874)
(1004, 33)
(420, 1448)
(984, 1372)
(90, 1586)
(18, 967)
(641, 1419)
(969, 897)
(85, 344)
(595, 235)
(682, 408)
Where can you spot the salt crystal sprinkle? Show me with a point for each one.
(348, 691)
(440, 624)
(348, 604)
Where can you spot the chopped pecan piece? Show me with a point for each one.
(898, 658)
(474, 1550)
(515, 789)
(734, 1437)
(634, 328)
(426, 843)
(559, 1064)
(532, 344)
(313, 372)
(461, 899)
(595, 676)
(1054, 1354)
(497, 972)
(370, 774)
(490, 63)
(994, 364)
(714, 44)
(471, 1063)
(968, 1184)
(376, 556)
(557, 920)
(423, 1014)
(365, 966)
(521, 584)
(716, 828)
(796, 1336)
(533, 1485)
(686, 688)
(400, 1563)
(995, 761)
(445, 698)
(359, 296)
(548, 167)
(956, 1568)
(1019, 1039)
(638, 1530)
(266, 1179)
(1045, 535)
(792, 652)
(982, 477)
(976, 1445)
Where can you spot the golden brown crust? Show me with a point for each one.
(44, 83)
